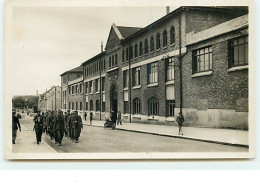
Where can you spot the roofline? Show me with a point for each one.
(176, 11)
(71, 72)
(93, 58)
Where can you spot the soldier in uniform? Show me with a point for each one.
(70, 126)
(67, 117)
(38, 126)
(76, 126)
(50, 125)
(15, 125)
(59, 127)
(46, 122)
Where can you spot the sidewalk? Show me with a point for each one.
(212, 135)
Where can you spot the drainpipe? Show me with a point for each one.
(129, 83)
(100, 81)
(180, 60)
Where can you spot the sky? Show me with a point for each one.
(48, 41)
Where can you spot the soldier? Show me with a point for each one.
(46, 122)
(70, 126)
(38, 125)
(76, 126)
(15, 125)
(59, 127)
(66, 117)
(50, 120)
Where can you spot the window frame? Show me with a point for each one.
(151, 70)
(195, 55)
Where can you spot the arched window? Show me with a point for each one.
(97, 105)
(153, 106)
(164, 38)
(136, 51)
(123, 56)
(127, 54)
(146, 46)
(172, 35)
(152, 44)
(137, 106)
(141, 48)
(91, 105)
(158, 41)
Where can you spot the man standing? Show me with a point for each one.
(85, 116)
(59, 127)
(38, 125)
(90, 118)
(119, 118)
(180, 121)
(15, 125)
(76, 126)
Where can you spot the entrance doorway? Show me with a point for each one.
(113, 99)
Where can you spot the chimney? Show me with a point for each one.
(167, 10)
(101, 46)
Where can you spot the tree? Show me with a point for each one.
(18, 102)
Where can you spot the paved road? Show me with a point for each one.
(97, 139)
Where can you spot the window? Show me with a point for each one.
(238, 50)
(172, 35)
(91, 105)
(141, 48)
(202, 59)
(86, 106)
(91, 87)
(158, 41)
(136, 76)
(80, 106)
(104, 64)
(136, 51)
(126, 107)
(170, 69)
(97, 105)
(69, 90)
(72, 105)
(127, 54)
(97, 85)
(116, 59)
(125, 78)
(137, 106)
(146, 46)
(152, 44)
(170, 108)
(86, 87)
(76, 89)
(103, 84)
(153, 106)
(80, 88)
(123, 56)
(69, 106)
(110, 64)
(152, 73)
(131, 53)
(76, 105)
(164, 38)
(72, 89)
(113, 61)
(103, 106)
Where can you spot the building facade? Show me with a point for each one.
(194, 60)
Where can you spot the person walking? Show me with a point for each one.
(119, 118)
(85, 116)
(180, 121)
(51, 120)
(76, 126)
(15, 126)
(66, 124)
(38, 125)
(90, 118)
(59, 127)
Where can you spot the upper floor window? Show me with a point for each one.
(97, 85)
(152, 72)
(202, 59)
(91, 87)
(123, 56)
(86, 87)
(136, 51)
(72, 89)
(113, 61)
(158, 41)
(170, 69)
(152, 44)
(172, 35)
(131, 52)
(104, 64)
(164, 38)
(103, 84)
(125, 78)
(136, 76)
(110, 64)
(127, 54)
(141, 48)
(146, 46)
(116, 59)
(238, 50)
(80, 88)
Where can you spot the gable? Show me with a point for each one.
(114, 37)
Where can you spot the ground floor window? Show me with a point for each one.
(103, 106)
(97, 105)
(86, 105)
(80, 106)
(137, 106)
(76, 105)
(72, 105)
(153, 106)
(170, 108)
(91, 105)
(126, 107)
(69, 105)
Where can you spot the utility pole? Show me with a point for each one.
(100, 83)
(180, 60)
(129, 82)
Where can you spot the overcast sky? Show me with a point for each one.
(49, 41)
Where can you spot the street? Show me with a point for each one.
(98, 139)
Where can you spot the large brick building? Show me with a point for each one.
(192, 60)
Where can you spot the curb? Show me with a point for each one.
(181, 137)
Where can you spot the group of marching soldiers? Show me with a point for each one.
(56, 125)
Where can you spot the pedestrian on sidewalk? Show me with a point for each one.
(59, 127)
(119, 118)
(180, 121)
(15, 125)
(38, 125)
(90, 118)
(77, 126)
(85, 116)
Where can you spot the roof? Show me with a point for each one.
(74, 70)
(93, 58)
(127, 31)
(180, 9)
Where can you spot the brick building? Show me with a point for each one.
(192, 60)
